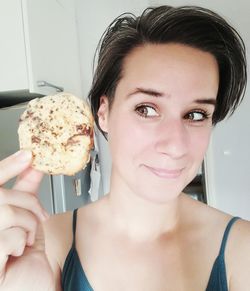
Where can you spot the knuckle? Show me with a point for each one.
(6, 217)
(7, 213)
(21, 237)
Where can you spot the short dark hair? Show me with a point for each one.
(190, 25)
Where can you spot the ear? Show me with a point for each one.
(103, 113)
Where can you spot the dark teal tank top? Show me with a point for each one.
(74, 278)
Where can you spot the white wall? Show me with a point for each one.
(93, 17)
(228, 159)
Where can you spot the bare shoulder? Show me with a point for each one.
(241, 230)
(239, 256)
(58, 238)
(58, 230)
(199, 213)
(239, 243)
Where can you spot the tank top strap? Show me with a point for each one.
(226, 233)
(74, 226)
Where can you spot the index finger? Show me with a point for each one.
(13, 165)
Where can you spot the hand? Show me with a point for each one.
(23, 263)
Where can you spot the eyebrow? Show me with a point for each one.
(150, 92)
(154, 93)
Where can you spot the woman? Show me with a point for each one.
(163, 80)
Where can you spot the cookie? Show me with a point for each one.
(58, 129)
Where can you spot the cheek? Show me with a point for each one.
(126, 137)
(199, 143)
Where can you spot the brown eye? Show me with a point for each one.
(146, 111)
(197, 116)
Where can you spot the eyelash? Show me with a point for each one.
(144, 106)
(204, 113)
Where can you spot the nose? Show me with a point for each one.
(172, 139)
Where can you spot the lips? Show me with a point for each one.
(165, 173)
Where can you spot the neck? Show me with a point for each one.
(141, 219)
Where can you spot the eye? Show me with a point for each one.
(146, 110)
(197, 116)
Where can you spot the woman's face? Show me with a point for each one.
(161, 119)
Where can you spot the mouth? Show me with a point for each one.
(165, 173)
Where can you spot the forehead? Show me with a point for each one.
(169, 66)
(166, 57)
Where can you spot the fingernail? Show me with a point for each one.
(24, 155)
